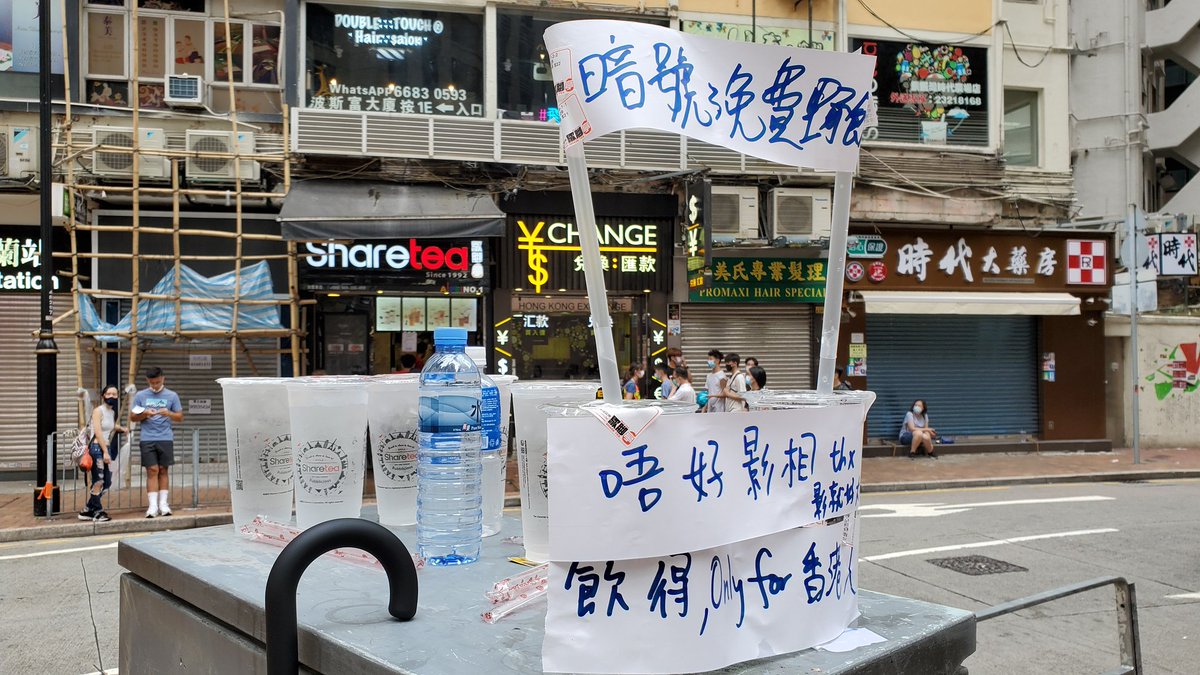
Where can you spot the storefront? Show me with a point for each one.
(755, 303)
(20, 298)
(542, 324)
(1000, 332)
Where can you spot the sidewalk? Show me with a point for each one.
(884, 474)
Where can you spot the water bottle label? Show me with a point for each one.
(449, 413)
(490, 419)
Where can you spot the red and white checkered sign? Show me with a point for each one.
(1087, 262)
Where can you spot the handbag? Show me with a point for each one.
(81, 454)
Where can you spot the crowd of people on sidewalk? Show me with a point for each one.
(726, 381)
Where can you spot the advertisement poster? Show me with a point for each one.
(463, 313)
(414, 313)
(437, 313)
(929, 93)
(1048, 366)
(19, 44)
(856, 365)
(389, 313)
(106, 44)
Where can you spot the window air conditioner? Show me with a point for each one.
(184, 91)
(800, 215)
(18, 152)
(112, 164)
(734, 213)
(220, 169)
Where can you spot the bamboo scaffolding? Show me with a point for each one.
(237, 175)
(264, 158)
(164, 256)
(81, 408)
(195, 192)
(134, 260)
(216, 234)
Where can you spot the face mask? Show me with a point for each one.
(917, 409)
(711, 363)
(156, 389)
(112, 402)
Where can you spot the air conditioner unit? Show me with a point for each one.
(220, 169)
(734, 213)
(18, 152)
(112, 164)
(800, 215)
(184, 91)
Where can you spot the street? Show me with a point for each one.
(58, 619)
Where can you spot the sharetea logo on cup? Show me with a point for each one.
(275, 460)
(398, 455)
(544, 477)
(322, 467)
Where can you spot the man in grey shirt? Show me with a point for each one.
(157, 409)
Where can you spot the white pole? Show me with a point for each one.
(593, 272)
(1133, 328)
(834, 281)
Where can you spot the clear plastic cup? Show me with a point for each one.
(258, 442)
(392, 403)
(783, 399)
(329, 430)
(494, 463)
(530, 424)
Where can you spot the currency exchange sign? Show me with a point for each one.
(797, 107)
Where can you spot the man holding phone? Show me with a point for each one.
(157, 409)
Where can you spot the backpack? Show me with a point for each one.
(702, 398)
(80, 448)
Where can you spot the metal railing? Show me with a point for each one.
(199, 477)
(1127, 616)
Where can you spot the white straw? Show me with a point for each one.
(593, 271)
(834, 280)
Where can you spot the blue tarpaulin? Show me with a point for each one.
(159, 315)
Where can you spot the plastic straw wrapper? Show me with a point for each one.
(277, 534)
(513, 593)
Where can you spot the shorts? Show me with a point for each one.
(157, 453)
(906, 438)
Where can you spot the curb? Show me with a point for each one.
(1108, 477)
(176, 521)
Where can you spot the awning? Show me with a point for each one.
(328, 209)
(922, 302)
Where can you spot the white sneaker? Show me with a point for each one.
(164, 510)
(152, 512)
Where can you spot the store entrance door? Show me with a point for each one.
(554, 341)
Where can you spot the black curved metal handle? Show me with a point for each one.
(283, 657)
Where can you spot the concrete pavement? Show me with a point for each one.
(880, 474)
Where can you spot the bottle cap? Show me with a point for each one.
(451, 337)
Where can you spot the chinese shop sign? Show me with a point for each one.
(760, 280)
(545, 254)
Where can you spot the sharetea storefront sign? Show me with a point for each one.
(760, 280)
(421, 261)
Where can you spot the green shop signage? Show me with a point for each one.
(760, 280)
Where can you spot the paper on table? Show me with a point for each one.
(851, 639)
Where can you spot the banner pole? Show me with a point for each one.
(593, 272)
(835, 277)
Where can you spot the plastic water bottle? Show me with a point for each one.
(449, 503)
(493, 456)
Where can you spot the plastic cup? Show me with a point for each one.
(258, 442)
(329, 429)
(530, 423)
(392, 402)
(494, 463)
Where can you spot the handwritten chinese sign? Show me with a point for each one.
(797, 107)
(760, 280)
(691, 482)
(699, 611)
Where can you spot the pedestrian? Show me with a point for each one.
(735, 384)
(751, 362)
(675, 357)
(663, 373)
(758, 378)
(629, 384)
(714, 382)
(683, 390)
(157, 409)
(915, 432)
(840, 384)
(103, 450)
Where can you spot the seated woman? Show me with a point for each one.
(916, 432)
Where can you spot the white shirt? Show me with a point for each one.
(736, 384)
(714, 383)
(683, 392)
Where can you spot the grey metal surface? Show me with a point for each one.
(345, 626)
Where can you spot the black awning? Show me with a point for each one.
(327, 209)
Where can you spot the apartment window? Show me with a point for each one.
(1020, 127)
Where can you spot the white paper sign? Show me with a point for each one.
(798, 107)
(690, 482)
(199, 361)
(199, 406)
(697, 612)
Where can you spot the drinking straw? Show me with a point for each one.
(593, 271)
(834, 280)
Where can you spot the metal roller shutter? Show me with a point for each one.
(18, 416)
(977, 373)
(779, 336)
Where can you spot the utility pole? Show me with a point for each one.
(44, 501)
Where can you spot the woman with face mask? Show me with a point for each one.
(103, 451)
(915, 432)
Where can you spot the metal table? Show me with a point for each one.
(194, 600)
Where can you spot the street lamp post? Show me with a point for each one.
(44, 501)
